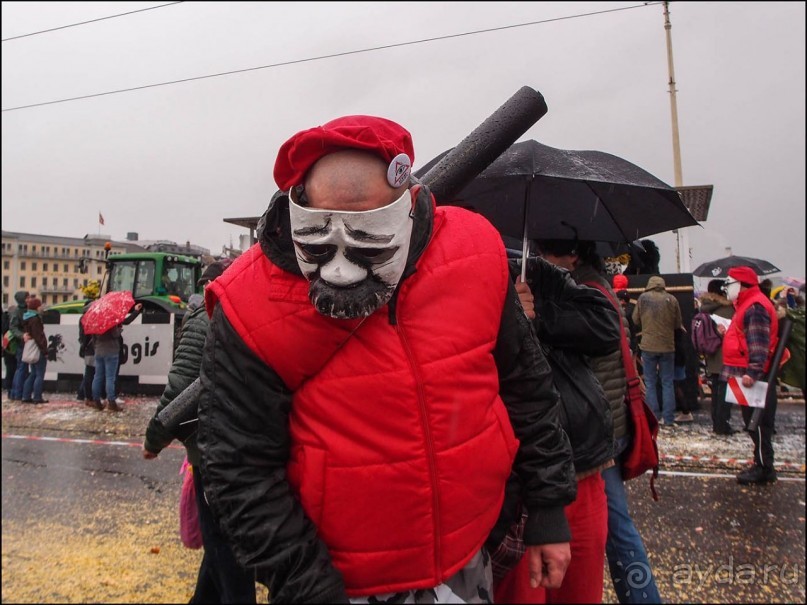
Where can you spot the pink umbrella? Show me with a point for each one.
(107, 312)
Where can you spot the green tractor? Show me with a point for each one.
(157, 279)
(163, 282)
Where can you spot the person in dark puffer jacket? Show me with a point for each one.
(624, 546)
(575, 322)
(220, 579)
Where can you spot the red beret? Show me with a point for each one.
(745, 275)
(380, 136)
(620, 282)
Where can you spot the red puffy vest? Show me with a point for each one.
(401, 446)
(735, 347)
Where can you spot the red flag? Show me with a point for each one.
(100, 219)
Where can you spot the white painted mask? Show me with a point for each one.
(732, 290)
(354, 260)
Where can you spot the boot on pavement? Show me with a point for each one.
(756, 474)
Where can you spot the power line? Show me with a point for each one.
(329, 56)
(53, 29)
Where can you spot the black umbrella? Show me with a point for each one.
(720, 267)
(533, 191)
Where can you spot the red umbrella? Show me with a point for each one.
(107, 312)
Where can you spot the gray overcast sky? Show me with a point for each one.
(171, 162)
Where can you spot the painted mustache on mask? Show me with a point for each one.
(358, 300)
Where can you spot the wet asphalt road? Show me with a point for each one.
(93, 522)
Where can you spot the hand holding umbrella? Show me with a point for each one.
(108, 311)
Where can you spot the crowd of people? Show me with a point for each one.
(388, 413)
(332, 448)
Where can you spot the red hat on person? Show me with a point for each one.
(744, 275)
(34, 303)
(384, 138)
(620, 282)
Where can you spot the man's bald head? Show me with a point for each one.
(350, 180)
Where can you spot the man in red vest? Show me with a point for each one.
(748, 347)
(370, 382)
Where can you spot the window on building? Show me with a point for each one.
(75, 297)
(44, 299)
(22, 265)
(98, 270)
(75, 283)
(5, 299)
(44, 266)
(5, 281)
(22, 281)
(33, 281)
(33, 266)
(64, 282)
(64, 268)
(44, 282)
(64, 298)
(5, 264)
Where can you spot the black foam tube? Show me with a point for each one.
(486, 142)
(179, 417)
(773, 372)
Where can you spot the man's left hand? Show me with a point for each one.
(548, 563)
(747, 381)
(526, 298)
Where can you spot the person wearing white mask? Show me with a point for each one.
(748, 347)
(369, 383)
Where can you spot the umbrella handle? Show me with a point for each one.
(525, 254)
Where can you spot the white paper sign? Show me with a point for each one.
(721, 321)
(753, 396)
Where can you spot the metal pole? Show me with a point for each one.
(681, 237)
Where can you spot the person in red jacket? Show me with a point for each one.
(748, 346)
(369, 383)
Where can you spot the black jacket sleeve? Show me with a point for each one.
(544, 460)
(184, 370)
(132, 316)
(244, 444)
(569, 315)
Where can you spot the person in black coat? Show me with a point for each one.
(572, 322)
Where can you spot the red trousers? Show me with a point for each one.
(588, 521)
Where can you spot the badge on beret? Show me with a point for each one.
(399, 169)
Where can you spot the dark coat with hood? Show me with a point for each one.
(574, 323)
(184, 370)
(15, 323)
(256, 508)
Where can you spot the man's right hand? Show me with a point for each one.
(548, 563)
